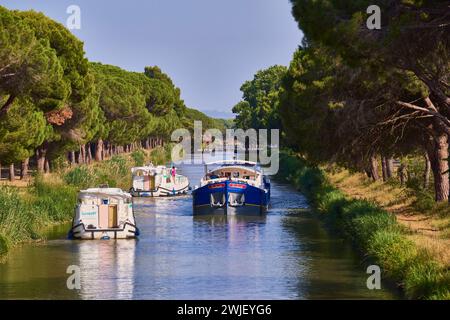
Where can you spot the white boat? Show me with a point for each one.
(151, 181)
(104, 213)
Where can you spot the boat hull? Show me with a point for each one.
(231, 198)
(129, 231)
(160, 192)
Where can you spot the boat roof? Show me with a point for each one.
(102, 192)
(233, 163)
(148, 168)
(235, 167)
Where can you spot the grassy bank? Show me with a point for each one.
(374, 231)
(24, 213)
(50, 199)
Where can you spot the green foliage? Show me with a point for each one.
(114, 173)
(53, 203)
(396, 252)
(138, 157)
(426, 280)
(22, 217)
(80, 177)
(424, 201)
(161, 155)
(28, 65)
(192, 115)
(22, 130)
(259, 108)
(118, 165)
(4, 246)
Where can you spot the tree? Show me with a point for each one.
(259, 108)
(407, 62)
(73, 119)
(22, 130)
(28, 66)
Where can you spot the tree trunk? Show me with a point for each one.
(47, 166)
(0, 171)
(8, 104)
(73, 159)
(40, 157)
(82, 155)
(374, 168)
(24, 169)
(384, 168)
(427, 172)
(389, 168)
(89, 153)
(437, 151)
(12, 174)
(99, 150)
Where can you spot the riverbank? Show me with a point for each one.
(375, 232)
(28, 208)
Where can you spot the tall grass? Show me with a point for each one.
(114, 172)
(161, 155)
(138, 157)
(22, 216)
(373, 230)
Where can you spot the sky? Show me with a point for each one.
(208, 47)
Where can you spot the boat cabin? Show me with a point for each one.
(234, 170)
(104, 208)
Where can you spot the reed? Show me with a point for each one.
(23, 216)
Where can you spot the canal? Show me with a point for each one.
(287, 254)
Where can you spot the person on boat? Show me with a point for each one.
(173, 173)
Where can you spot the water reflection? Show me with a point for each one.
(107, 269)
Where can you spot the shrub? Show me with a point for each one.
(56, 202)
(138, 157)
(424, 201)
(118, 166)
(4, 246)
(425, 280)
(80, 177)
(160, 156)
(393, 251)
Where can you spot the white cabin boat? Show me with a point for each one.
(104, 213)
(151, 181)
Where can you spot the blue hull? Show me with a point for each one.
(231, 198)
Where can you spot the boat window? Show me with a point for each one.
(105, 201)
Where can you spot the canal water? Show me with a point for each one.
(287, 254)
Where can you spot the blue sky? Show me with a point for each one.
(208, 47)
